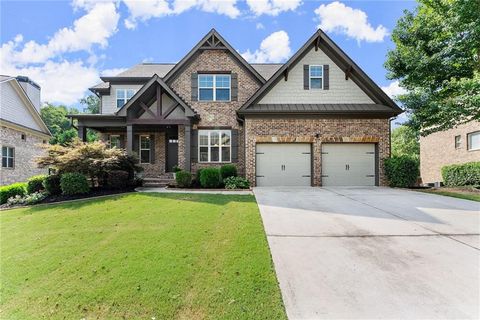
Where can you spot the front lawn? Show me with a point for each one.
(455, 193)
(138, 256)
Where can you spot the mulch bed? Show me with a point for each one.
(94, 192)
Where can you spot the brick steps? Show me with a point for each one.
(160, 181)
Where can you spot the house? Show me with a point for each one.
(22, 131)
(453, 146)
(316, 120)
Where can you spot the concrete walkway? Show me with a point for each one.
(204, 191)
(373, 253)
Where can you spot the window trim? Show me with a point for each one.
(140, 149)
(459, 145)
(310, 77)
(119, 141)
(209, 146)
(125, 100)
(12, 156)
(468, 140)
(214, 87)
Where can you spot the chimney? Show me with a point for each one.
(32, 89)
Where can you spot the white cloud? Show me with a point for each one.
(272, 7)
(337, 17)
(274, 48)
(112, 72)
(259, 26)
(394, 89)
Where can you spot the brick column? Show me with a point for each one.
(129, 139)
(188, 136)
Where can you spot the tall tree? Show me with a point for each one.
(437, 59)
(91, 104)
(405, 142)
(55, 117)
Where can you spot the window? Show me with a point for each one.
(115, 141)
(8, 154)
(144, 149)
(123, 95)
(24, 137)
(214, 87)
(214, 145)
(458, 142)
(316, 77)
(473, 141)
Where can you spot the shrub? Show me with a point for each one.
(184, 179)
(467, 174)
(401, 171)
(16, 189)
(228, 170)
(236, 183)
(117, 179)
(28, 199)
(176, 169)
(196, 180)
(210, 178)
(52, 184)
(74, 183)
(35, 183)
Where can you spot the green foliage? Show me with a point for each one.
(52, 184)
(117, 179)
(28, 199)
(12, 190)
(176, 169)
(402, 171)
(437, 59)
(405, 142)
(55, 117)
(236, 183)
(74, 183)
(183, 179)
(467, 174)
(35, 183)
(91, 104)
(210, 178)
(228, 170)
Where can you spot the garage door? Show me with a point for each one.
(283, 164)
(345, 164)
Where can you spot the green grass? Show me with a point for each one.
(459, 194)
(138, 256)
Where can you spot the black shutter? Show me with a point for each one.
(122, 141)
(326, 77)
(234, 93)
(152, 148)
(194, 146)
(135, 146)
(306, 77)
(194, 86)
(234, 144)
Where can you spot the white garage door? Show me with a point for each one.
(348, 164)
(283, 164)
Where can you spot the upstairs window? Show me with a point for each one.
(316, 77)
(8, 155)
(214, 145)
(458, 142)
(473, 141)
(123, 95)
(214, 87)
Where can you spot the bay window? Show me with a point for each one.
(214, 146)
(214, 87)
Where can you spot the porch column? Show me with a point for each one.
(82, 133)
(129, 139)
(187, 147)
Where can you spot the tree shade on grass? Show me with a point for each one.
(138, 256)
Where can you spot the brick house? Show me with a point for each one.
(316, 120)
(454, 146)
(22, 131)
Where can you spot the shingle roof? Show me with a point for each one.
(318, 108)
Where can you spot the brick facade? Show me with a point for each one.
(316, 132)
(438, 150)
(26, 151)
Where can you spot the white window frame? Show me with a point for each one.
(469, 144)
(119, 141)
(140, 149)
(125, 99)
(220, 146)
(214, 88)
(10, 155)
(310, 77)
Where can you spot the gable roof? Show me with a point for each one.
(321, 41)
(214, 41)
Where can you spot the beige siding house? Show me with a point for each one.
(22, 131)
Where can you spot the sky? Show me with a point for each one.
(66, 45)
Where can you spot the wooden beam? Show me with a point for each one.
(147, 109)
(317, 43)
(170, 110)
(158, 121)
(159, 101)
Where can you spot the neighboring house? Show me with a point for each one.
(22, 131)
(454, 146)
(316, 120)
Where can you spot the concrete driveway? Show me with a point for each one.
(373, 253)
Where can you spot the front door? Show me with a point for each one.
(172, 152)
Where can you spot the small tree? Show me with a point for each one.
(405, 142)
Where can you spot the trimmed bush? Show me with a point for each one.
(467, 174)
(402, 171)
(196, 180)
(236, 183)
(228, 170)
(210, 178)
(117, 179)
(35, 183)
(184, 179)
(74, 183)
(12, 190)
(52, 184)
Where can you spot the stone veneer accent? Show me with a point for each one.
(25, 154)
(291, 130)
(216, 114)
